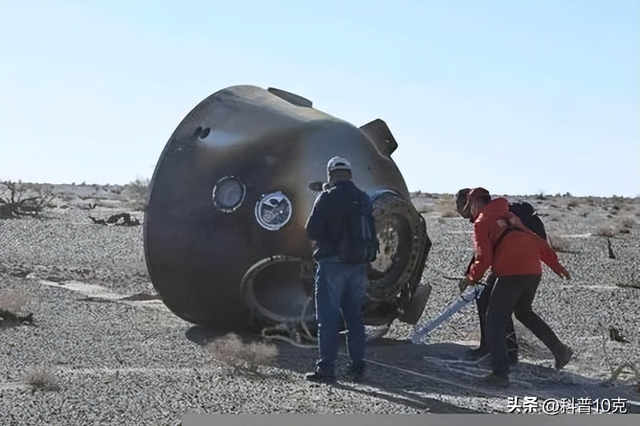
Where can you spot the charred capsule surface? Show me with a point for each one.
(224, 235)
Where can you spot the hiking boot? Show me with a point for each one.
(355, 372)
(320, 377)
(495, 380)
(563, 357)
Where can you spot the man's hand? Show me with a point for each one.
(464, 283)
(315, 186)
(564, 273)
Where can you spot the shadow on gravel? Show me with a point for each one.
(442, 368)
(404, 373)
(302, 360)
(201, 335)
(9, 319)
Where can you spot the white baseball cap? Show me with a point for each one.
(338, 163)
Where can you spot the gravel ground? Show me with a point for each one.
(109, 360)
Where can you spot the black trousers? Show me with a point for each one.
(515, 294)
(482, 303)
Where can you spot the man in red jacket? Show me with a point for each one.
(482, 301)
(513, 252)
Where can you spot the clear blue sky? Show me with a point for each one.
(519, 97)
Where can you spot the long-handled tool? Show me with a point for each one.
(470, 293)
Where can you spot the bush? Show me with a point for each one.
(446, 206)
(23, 199)
(559, 243)
(41, 378)
(12, 303)
(625, 225)
(606, 230)
(242, 356)
(13, 300)
(138, 193)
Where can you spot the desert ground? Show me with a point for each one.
(85, 339)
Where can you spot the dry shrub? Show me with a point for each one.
(446, 206)
(13, 300)
(117, 189)
(422, 209)
(606, 230)
(138, 193)
(625, 226)
(420, 202)
(18, 199)
(559, 242)
(242, 356)
(450, 213)
(573, 203)
(69, 196)
(41, 378)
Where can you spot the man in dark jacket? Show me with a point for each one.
(339, 286)
(514, 253)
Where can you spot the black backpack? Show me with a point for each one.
(359, 239)
(529, 218)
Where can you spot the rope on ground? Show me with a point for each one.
(624, 366)
(295, 336)
(282, 327)
(470, 370)
(304, 323)
(296, 342)
(441, 380)
(290, 341)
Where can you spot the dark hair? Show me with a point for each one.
(479, 194)
(461, 198)
(485, 198)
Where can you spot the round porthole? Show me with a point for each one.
(273, 211)
(228, 194)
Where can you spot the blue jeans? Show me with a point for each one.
(339, 293)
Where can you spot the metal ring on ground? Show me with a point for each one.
(265, 296)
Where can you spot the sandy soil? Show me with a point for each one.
(111, 352)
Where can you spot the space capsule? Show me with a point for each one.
(224, 238)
